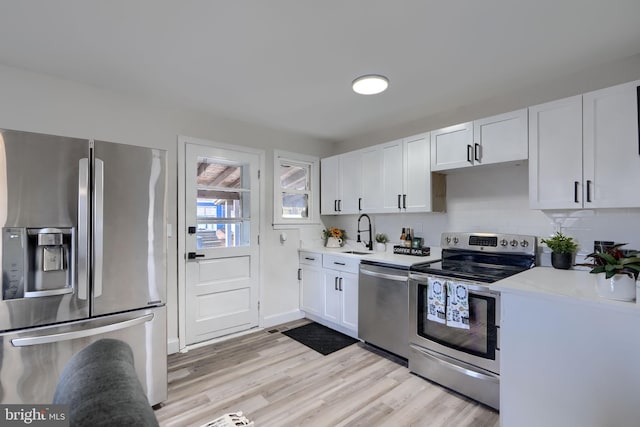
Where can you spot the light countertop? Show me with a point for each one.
(387, 257)
(551, 283)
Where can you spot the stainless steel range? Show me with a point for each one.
(454, 315)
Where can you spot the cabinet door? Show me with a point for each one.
(555, 154)
(329, 188)
(612, 147)
(417, 175)
(501, 138)
(392, 176)
(349, 296)
(351, 182)
(371, 180)
(312, 291)
(332, 296)
(452, 147)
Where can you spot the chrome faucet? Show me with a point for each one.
(369, 245)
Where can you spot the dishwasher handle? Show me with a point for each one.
(388, 276)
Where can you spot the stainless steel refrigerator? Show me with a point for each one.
(83, 253)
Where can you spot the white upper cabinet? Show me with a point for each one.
(391, 177)
(611, 147)
(342, 184)
(330, 186)
(584, 151)
(417, 196)
(496, 139)
(392, 171)
(371, 200)
(452, 147)
(351, 181)
(407, 182)
(555, 154)
(501, 138)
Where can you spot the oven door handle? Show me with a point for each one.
(466, 371)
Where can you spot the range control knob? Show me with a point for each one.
(504, 242)
(524, 243)
(455, 240)
(447, 239)
(514, 243)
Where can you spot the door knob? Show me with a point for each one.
(193, 255)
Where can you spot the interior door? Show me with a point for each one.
(221, 244)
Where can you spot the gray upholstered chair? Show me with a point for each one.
(101, 387)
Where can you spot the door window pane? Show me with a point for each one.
(223, 209)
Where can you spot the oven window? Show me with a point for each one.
(479, 339)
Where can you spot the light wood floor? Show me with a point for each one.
(276, 381)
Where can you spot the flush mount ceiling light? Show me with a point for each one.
(370, 84)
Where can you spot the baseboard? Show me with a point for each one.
(173, 345)
(277, 319)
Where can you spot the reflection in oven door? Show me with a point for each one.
(481, 337)
(466, 360)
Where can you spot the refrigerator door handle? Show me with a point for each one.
(98, 218)
(83, 229)
(80, 333)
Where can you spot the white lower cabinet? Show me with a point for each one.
(329, 290)
(311, 288)
(341, 298)
(566, 362)
(339, 294)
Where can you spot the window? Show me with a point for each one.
(295, 189)
(222, 205)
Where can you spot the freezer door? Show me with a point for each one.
(31, 361)
(41, 244)
(129, 241)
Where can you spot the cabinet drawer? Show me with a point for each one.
(310, 258)
(341, 263)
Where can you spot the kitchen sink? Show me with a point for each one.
(356, 253)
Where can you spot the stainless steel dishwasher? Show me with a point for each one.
(383, 306)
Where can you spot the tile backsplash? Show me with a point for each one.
(495, 199)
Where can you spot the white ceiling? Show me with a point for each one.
(289, 64)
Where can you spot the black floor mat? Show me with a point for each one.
(320, 338)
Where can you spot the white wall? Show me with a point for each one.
(529, 93)
(39, 103)
(495, 199)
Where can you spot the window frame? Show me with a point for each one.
(296, 159)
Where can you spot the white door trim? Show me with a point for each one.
(182, 288)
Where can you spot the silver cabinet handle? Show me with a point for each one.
(98, 225)
(83, 228)
(81, 333)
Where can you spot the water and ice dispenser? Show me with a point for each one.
(37, 262)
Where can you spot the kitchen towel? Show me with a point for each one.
(457, 305)
(436, 300)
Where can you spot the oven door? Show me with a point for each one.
(478, 345)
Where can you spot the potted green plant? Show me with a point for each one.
(562, 250)
(617, 272)
(381, 242)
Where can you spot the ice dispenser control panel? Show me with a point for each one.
(36, 262)
(14, 258)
